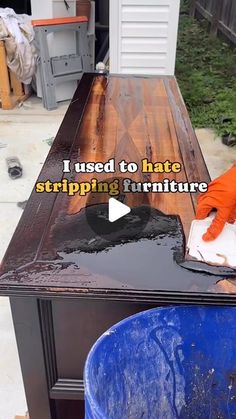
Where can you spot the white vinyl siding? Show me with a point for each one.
(143, 36)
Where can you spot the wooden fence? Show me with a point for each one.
(220, 13)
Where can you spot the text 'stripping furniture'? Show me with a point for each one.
(67, 281)
(63, 68)
(11, 89)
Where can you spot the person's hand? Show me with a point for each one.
(221, 196)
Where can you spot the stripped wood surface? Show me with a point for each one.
(126, 118)
(137, 118)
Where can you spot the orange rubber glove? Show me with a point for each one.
(221, 195)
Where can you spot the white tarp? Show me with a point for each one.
(17, 33)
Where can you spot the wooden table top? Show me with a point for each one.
(55, 250)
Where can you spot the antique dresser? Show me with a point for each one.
(69, 273)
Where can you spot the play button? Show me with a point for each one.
(117, 210)
(114, 218)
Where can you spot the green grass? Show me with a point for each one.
(206, 73)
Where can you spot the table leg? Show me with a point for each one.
(26, 320)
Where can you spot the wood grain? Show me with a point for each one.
(121, 117)
(33, 222)
(131, 119)
(220, 13)
(5, 89)
(11, 89)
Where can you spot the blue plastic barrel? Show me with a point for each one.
(165, 363)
